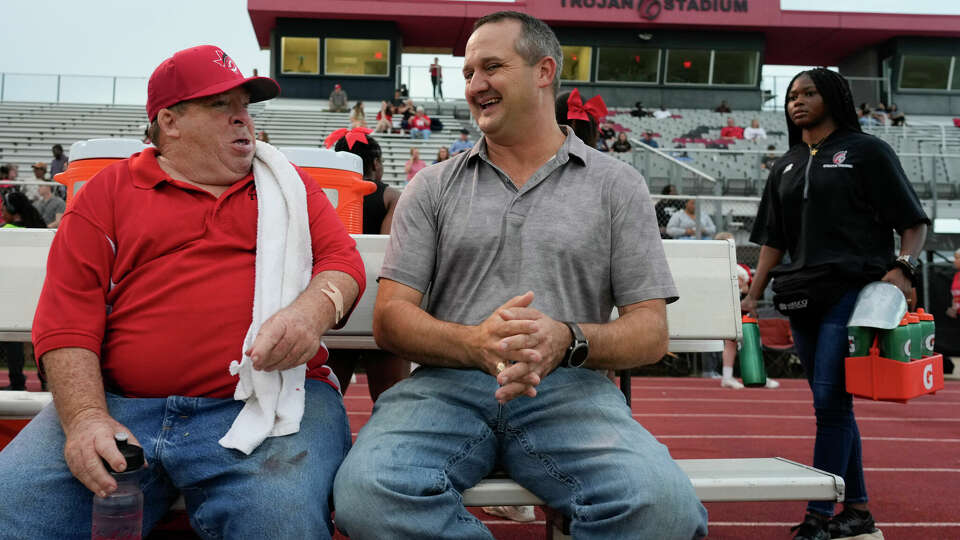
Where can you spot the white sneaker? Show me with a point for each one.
(731, 383)
(522, 514)
(771, 383)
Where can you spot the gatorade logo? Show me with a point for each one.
(928, 376)
(906, 349)
(928, 343)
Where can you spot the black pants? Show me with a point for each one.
(437, 87)
(13, 351)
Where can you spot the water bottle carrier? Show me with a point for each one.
(882, 379)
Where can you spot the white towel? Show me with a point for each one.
(274, 400)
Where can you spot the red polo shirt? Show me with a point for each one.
(156, 277)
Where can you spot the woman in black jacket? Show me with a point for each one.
(832, 203)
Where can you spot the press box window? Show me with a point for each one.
(300, 55)
(368, 57)
(735, 67)
(625, 64)
(576, 63)
(925, 72)
(688, 66)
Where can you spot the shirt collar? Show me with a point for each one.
(572, 147)
(147, 173)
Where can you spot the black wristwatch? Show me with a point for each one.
(579, 348)
(907, 263)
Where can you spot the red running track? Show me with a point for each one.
(911, 452)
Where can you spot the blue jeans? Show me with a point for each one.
(822, 346)
(282, 490)
(575, 445)
(419, 133)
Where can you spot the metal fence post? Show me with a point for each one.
(58, 88)
(113, 99)
(3, 80)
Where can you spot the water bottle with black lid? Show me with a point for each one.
(119, 515)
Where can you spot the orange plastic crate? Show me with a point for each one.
(882, 379)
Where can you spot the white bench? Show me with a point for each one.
(708, 312)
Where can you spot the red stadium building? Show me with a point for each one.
(681, 53)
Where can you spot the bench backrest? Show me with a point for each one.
(704, 271)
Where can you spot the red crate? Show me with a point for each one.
(882, 379)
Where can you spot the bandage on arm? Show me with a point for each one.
(335, 296)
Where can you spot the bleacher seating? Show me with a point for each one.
(28, 130)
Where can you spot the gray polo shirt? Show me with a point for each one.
(581, 234)
(50, 208)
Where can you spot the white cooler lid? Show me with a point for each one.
(105, 148)
(305, 156)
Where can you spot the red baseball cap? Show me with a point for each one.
(201, 71)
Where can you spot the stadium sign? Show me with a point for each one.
(651, 9)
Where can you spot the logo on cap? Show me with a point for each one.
(225, 61)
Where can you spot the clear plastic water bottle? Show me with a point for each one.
(119, 516)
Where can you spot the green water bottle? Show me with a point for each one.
(752, 370)
(916, 337)
(860, 339)
(927, 331)
(895, 343)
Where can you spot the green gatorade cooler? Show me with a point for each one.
(916, 337)
(895, 343)
(927, 331)
(860, 339)
(752, 370)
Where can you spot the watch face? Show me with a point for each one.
(579, 355)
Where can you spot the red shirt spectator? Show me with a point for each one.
(133, 251)
(732, 131)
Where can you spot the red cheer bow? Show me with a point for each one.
(353, 135)
(576, 110)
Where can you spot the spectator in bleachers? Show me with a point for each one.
(621, 145)
(414, 164)
(497, 385)
(722, 107)
(39, 175)
(404, 93)
(420, 125)
(833, 171)
(638, 110)
(436, 78)
(462, 144)
(14, 171)
(396, 103)
(18, 212)
(665, 208)
(768, 160)
(755, 132)
(338, 99)
(647, 139)
(384, 119)
(897, 118)
(50, 206)
(263, 136)
(662, 113)
(683, 225)
(383, 369)
(358, 118)
(5, 175)
(184, 224)
(731, 130)
(442, 154)
(408, 110)
(59, 162)
(607, 133)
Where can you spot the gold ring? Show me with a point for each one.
(500, 367)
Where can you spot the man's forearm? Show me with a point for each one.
(320, 306)
(75, 382)
(402, 328)
(637, 338)
(912, 239)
